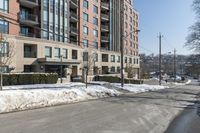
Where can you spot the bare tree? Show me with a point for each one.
(89, 58)
(130, 70)
(193, 38)
(6, 56)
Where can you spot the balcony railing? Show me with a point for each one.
(74, 3)
(28, 18)
(105, 16)
(74, 16)
(73, 30)
(104, 38)
(105, 5)
(29, 3)
(105, 27)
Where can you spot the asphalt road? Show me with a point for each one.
(130, 113)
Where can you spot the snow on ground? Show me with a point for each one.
(15, 98)
(139, 88)
(22, 97)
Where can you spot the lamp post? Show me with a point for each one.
(1, 64)
(122, 55)
(61, 67)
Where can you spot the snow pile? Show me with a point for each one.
(139, 88)
(188, 82)
(17, 99)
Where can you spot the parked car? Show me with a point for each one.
(77, 78)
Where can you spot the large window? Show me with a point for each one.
(85, 16)
(4, 5)
(65, 53)
(85, 43)
(4, 49)
(48, 52)
(95, 32)
(85, 4)
(85, 30)
(57, 52)
(95, 9)
(4, 26)
(95, 21)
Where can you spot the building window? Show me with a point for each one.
(85, 56)
(118, 58)
(85, 30)
(65, 53)
(74, 54)
(95, 44)
(112, 58)
(85, 43)
(95, 21)
(4, 49)
(57, 52)
(4, 26)
(112, 69)
(96, 57)
(85, 4)
(48, 52)
(4, 69)
(130, 60)
(95, 32)
(95, 9)
(126, 60)
(4, 6)
(85, 17)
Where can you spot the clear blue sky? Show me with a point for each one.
(170, 17)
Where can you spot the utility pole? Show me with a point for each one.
(160, 56)
(122, 44)
(1, 40)
(61, 69)
(174, 65)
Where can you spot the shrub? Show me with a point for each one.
(112, 79)
(29, 78)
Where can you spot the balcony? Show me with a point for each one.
(73, 17)
(104, 39)
(73, 31)
(105, 6)
(28, 19)
(74, 4)
(105, 17)
(104, 28)
(33, 35)
(29, 3)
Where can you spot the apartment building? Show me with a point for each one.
(50, 35)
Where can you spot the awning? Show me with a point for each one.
(50, 61)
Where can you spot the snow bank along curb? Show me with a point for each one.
(17, 98)
(139, 88)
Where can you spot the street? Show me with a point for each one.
(150, 112)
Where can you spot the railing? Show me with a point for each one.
(105, 27)
(74, 15)
(104, 38)
(105, 16)
(74, 2)
(30, 17)
(73, 29)
(105, 5)
(32, 1)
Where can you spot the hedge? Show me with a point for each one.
(29, 78)
(112, 79)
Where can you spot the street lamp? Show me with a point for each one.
(122, 55)
(61, 67)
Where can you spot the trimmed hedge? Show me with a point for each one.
(29, 78)
(112, 79)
